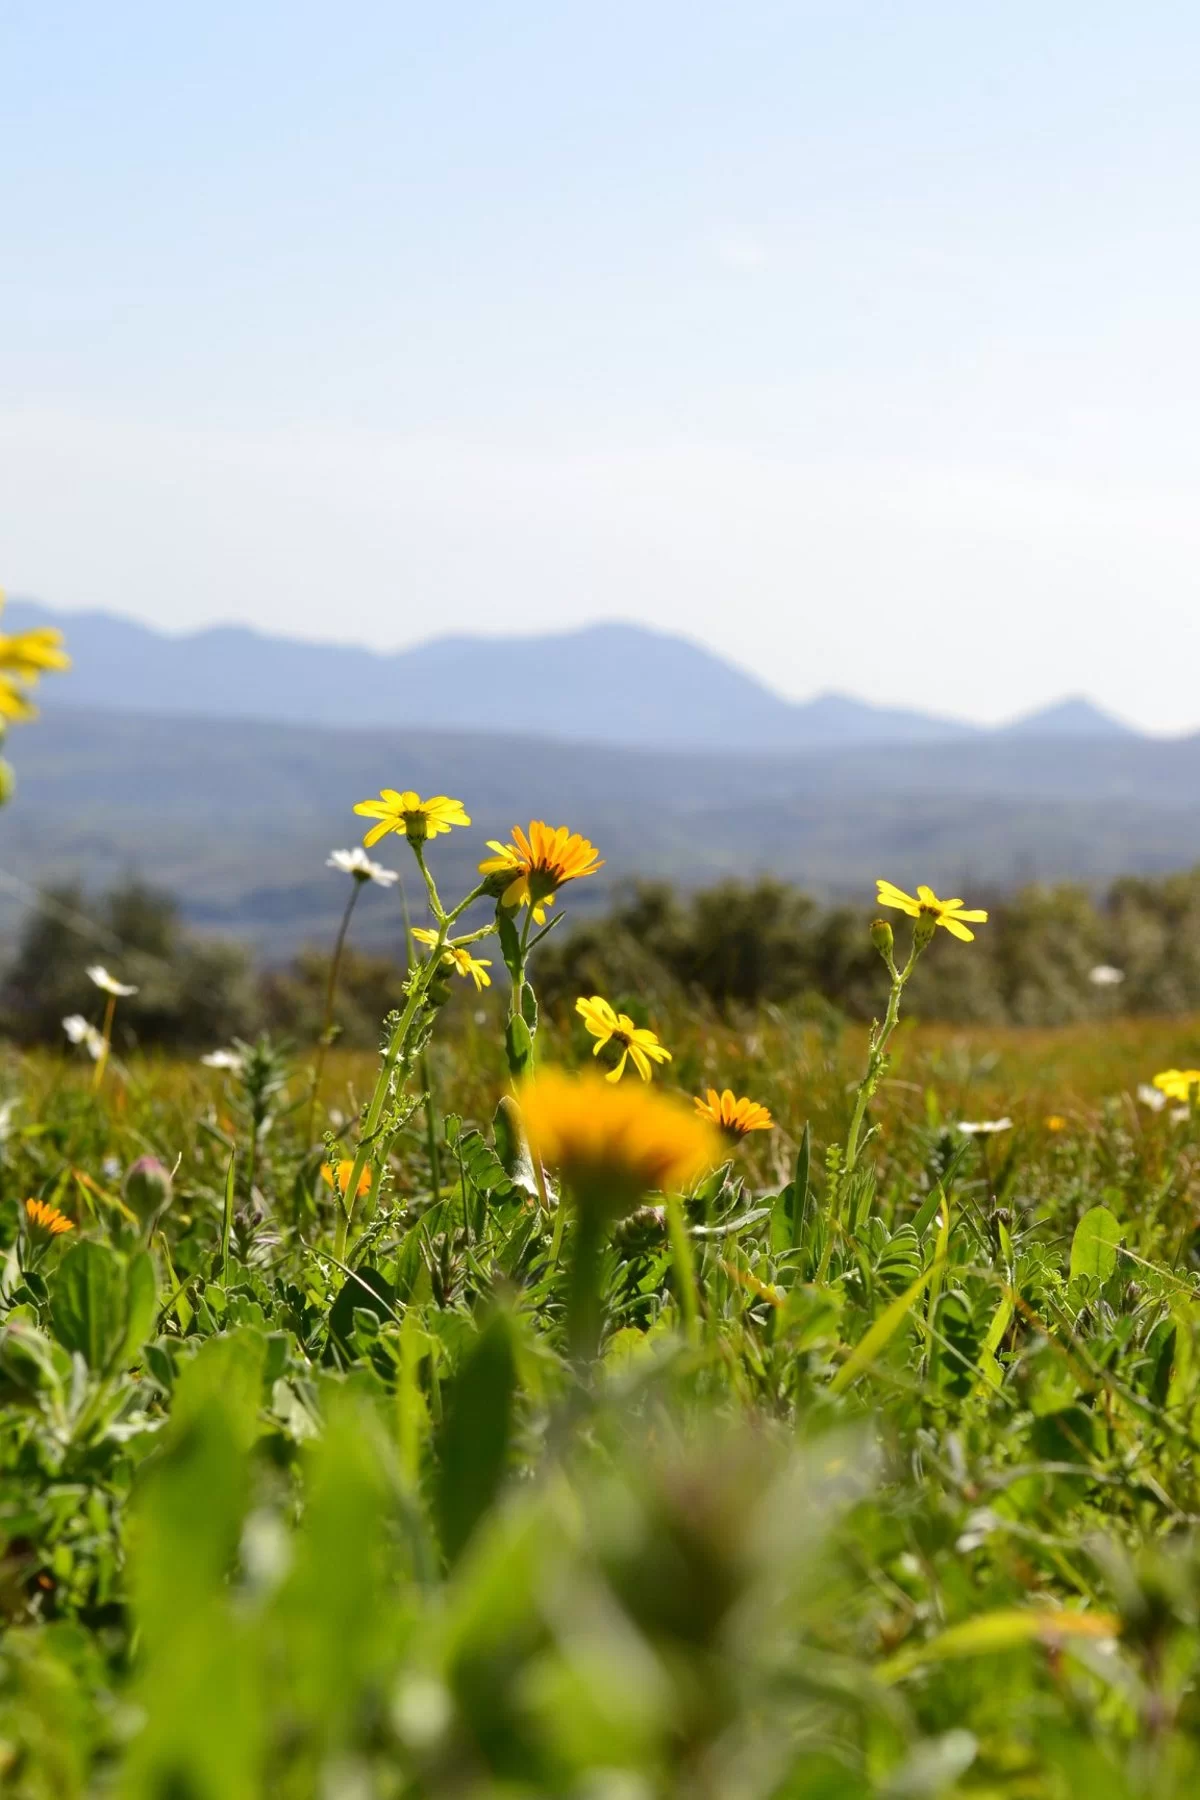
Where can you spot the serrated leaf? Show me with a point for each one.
(1094, 1245)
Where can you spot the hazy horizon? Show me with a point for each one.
(575, 629)
(854, 344)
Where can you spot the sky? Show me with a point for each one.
(855, 340)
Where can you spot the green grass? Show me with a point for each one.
(907, 1508)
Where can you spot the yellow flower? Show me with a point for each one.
(1178, 1084)
(45, 1221)
(466, 964)
(410, 816)
(23, 658)
(611, 1145)
(344, 1171)
(633, 1041)
(735, 1117)
(1055, 1122)
(538, 864)
(948, 913)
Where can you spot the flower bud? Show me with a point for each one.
(881, 937)
(147, 1190)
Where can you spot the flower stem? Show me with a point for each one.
(584, 1318)
(877, 1053)
(102, 1059)
(327, 1013)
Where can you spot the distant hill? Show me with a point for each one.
(606, 684)
(237, 817)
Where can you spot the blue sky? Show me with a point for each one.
(856, 340)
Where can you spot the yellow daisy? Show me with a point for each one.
(23, 658)
(634, 1041)
(1178, 1084)
(1055, 1122)
(475, 967)
(613, 1145)
(926, 905)
(538, 863)
(46, 1221)
(410, 816)
(735, 1117)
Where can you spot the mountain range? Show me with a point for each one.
(617, 684)
(224, 766)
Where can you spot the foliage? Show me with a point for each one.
(906, 1512)
(743, 945)
(191, 991)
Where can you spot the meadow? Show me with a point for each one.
(600, 1399)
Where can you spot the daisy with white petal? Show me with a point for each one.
(80, 1031)
(1151, 1097)
(983, 1127)
(359, 866)
(230, 1060)
(118, 990)
(1104, 976)
(356, 862)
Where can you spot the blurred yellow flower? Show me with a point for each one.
(45, 1221)
(1178, 1084)
(735, 1117)
(611, 1145)
(1055, 1122)
(410, 816)
(23, 658)
(344, 1171)
(473, 966)
(635, 1042)
(538, 863)
(926, 905)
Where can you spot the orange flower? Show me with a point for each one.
(735, 1117)
(538, 864)
(611, 1144)
(344, 1171)
(45, 1221)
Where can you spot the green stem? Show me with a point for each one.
(102, 1059)
(584, 1318)
(431, 1144)
(435, 899)
(420, 981)
(685, 1269)
(420, 976)
(877, 1053)
(327, 1012)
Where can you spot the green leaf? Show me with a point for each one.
(365, 1290)
(883, 1330)
(227, 1215)
(802, 1188)
(88, 1309)
(1006, 1629)
(477, 1433)
(529, 1006)
(141, 1305)
(510, 943)
(519, 1045)
(1094, 1246)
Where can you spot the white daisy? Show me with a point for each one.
(224, 1059)
(1152, 1097)
(1104, 975)
(356, 862)
(100, 975)
(80, 1031)
(983, 1127)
